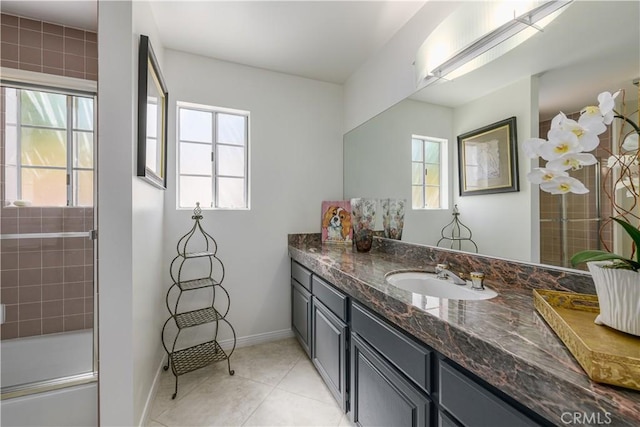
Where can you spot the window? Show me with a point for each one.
(49, 147)
(213, 158)
(429, 189)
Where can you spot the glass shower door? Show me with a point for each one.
(47, 278)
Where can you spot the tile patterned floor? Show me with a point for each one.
(275, 384)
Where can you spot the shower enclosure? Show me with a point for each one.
(47, 240)
(573, 222)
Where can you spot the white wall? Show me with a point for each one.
(130, 225)
(115, 241)
(149, 310)
(378, 162)
(296, 162)
(503, 224)
(389, 76)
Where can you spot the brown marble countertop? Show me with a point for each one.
(502, 340)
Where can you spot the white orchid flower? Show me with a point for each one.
(631, 143)
(531, 147)
(573, 161)
(587, 132)
(540, 175)
(560, 142)
(556, 122)
(563, 185)
(607, 104)
(631, 184)
(603, 113)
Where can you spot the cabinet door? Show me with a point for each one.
(329, 347)
(380, 396)
(301, 315)
(474, 405)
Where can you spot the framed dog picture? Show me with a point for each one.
(336, 222)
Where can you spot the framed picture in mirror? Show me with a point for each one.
(152, 118)
(488, 159)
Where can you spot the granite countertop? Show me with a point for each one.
(502, 340)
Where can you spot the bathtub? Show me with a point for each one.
(53, 379)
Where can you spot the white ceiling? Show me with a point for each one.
(322, 40)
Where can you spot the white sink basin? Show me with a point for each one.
(428, 284)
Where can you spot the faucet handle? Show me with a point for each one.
(477, 280)
(440, 267)
(441, 270)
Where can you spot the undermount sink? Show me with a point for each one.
(428, 284)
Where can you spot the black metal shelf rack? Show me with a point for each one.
(189, 358)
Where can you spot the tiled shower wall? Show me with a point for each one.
(580, 235)
(48, 48)
(46, 284)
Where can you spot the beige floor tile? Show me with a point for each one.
(267, 363)
(155, 424)
(282, 408)
(186, 383)
(303, 379)
(221, 400)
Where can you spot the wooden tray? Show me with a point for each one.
(607, 356)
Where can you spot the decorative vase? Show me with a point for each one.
(618, 295)
(393, 217)
(363, 221)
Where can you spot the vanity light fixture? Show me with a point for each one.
(486, 25)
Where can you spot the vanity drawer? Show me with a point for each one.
(301, 274)
(410, 358)
(333, 299)
(472, 404)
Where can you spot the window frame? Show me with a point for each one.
(215, 111)
(59, 86)
(444, 172)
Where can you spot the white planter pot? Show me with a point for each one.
(619, 297)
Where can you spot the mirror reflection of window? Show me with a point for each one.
(428, 173)
(49, 147)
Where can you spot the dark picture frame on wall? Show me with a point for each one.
(488, 159)
(152, 118)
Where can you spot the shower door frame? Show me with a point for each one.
(35, 81)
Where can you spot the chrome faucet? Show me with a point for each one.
(443, 272)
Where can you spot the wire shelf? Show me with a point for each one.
(197, 317)
(196, 357)
(204, 282)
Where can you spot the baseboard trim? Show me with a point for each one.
(144, 419)
(247, 341)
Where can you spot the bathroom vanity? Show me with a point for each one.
(391, 357)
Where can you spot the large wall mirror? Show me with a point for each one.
(589, 48)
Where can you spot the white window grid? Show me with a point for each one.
(444, 172)
(215, 176)
(69, 129)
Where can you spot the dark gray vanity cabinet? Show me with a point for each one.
(381, 375)
(301, 305)
(329, 338)
(473, 404)
(329, 342)
(380, 396)
(319, 322)
(391, 375)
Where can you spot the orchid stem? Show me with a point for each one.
(635, 126)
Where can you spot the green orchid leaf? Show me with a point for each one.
(594, 255)
(633, 232)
